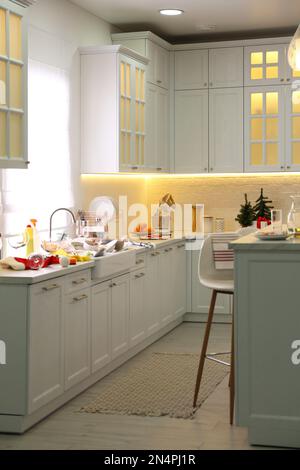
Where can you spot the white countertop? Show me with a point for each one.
(251, 242)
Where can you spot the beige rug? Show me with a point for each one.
(161, 385)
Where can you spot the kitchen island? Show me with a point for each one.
(267, 339)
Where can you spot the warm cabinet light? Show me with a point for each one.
(171, 12)
(294, 51)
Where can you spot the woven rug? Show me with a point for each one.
(161, 385)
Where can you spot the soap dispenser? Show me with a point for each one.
(36, 237)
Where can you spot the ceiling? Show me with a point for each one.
(232, 18)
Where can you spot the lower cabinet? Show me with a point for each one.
(77, 337)
(46, 368)
(166, 276)
(152, 287)
(179, 279)
(101, 325)
(120, 315)
(137, 317)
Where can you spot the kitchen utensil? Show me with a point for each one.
(119, 245)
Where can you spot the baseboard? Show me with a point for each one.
(12, 424)
(277, 431)
(202, 317)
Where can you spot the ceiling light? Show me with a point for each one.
(294, 51)
(171, 12)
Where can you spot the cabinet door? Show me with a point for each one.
(264, 129)
(46, 379)
(101, 325)
(120, 315)
(77, 337)
(191, 131)
(191, 70)
(226, 67)
(201, 296)
(166, 276)
(158, 70)
(265, 65)
(292, 101)
(152, 299)
(137, 318)
(226, 130)
(179, 284)
(157, 139)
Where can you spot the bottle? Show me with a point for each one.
(29, 240)
(36, 237)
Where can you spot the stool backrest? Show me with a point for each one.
(216, 259)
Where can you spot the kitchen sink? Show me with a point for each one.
(113, 263)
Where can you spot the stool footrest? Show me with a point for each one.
(212, 357)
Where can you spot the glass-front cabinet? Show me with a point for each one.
(132, 114)
(13, 86)
(292, 129)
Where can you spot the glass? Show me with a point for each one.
(296, 127)
(256, 103)
(3, 152)
(142, 150)
(137, 83)
(16, 135)
(272, 103)
(272, 128)
(137, 149)
(256, 73)
(293, 219)
(142, 85)
(15, 87)
(137, 119)
(256, 129)
(272, 57)
(15, 36)
(296, 101)
(127, 114)
(272, 72)
(2, 83)
(3, 32)
(256, 154)
(276, 220)
(128, 148)
(256, 58)
(142, 117)
(128, 82)
(271, 154)
(122, 112)
(122, 147)
(296, 153)
(122, 78)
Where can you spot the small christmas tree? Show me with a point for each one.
(246, 215)
(262, 207)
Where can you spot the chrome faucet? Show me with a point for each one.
(51, 217)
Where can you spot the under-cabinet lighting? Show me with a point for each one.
(189, 175)
(171, 12)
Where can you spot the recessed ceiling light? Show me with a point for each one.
(171, 12)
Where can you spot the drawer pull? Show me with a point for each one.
(79, 281)
(139, 261)
(113, 284)
(138, 276)
(49, 288)
(180, 246)
(81, 297)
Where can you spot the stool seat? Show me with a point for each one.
(226, 285)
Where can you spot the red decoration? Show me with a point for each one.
(260, 220)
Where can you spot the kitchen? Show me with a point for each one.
(163, 130)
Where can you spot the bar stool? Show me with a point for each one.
(215, 271)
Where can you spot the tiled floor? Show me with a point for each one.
(66, 429)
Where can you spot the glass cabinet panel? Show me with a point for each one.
(3, 150)
(3, 32)
(16, 135)
(264, 65)
(15, 87)
(15, 36)
(293, 129)
(2, 83)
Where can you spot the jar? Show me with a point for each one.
(293, 219)
(219, 224)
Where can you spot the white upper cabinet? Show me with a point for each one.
(226, 130)
(226, 67)
(264, 128)
(292, 102)
(191, 131)
(13, 86)
(113, 110)
(158, 71)
(266, 65)
(191, 70)
(157, 129)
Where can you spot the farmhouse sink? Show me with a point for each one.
(113, 263)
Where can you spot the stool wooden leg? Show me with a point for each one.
(231, 380)
(204, 345)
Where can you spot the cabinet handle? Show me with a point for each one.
(138, 276)
(134, 167)
(282, 79)
(205, 169)
(211, 169)
(49, 288)
(282, 167)
(288, 167)
(79, 281)
(155, 254)
(158, 81)
(288, 79)
(81, 297)
(180, 246)
(158, 169)
(205, 84)
(139, 261)
(211, 84)
(113, 284)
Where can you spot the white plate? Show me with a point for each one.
(273, 236)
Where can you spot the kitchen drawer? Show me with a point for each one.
(140, 260)
(78, 281)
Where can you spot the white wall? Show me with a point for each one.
(56, 29)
